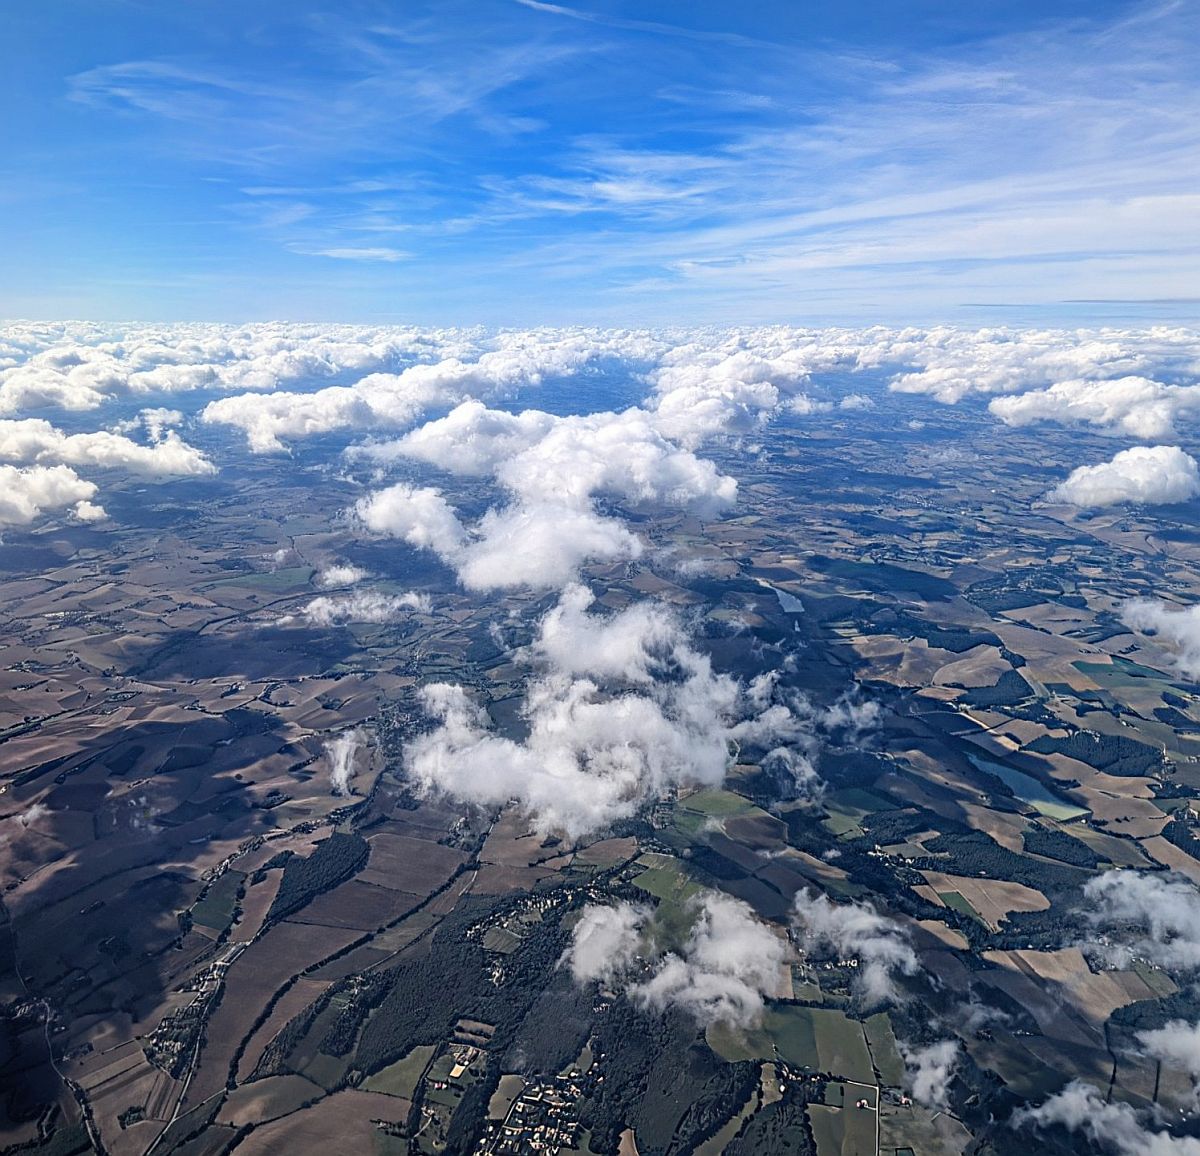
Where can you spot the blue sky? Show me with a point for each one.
(520, 162)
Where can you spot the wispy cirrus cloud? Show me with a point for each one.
(895, 170)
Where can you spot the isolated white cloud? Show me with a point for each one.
(341, 753)
(25, 494)
(89, 512)
(541, 546)
(589, 759)
(851, 717)
(600, 747)
(1178, 627)
(1145, 914)
(929, 1071)
(855, 930)
(1147, 474)
(1111, 1126)
(605, 941)
(340, 574)
(32, 440)
(363, 606)
(158, 421)
(553, 469)
(1134, 406)
(730, 961)
(804, 406)
(418, 515)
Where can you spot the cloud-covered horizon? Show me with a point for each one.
(448, 408)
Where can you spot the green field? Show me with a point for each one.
(820, 1039)
(882, 1042)
(1029, 790)
(328, 1071)
(501, 939)
(401, 1078)
(1157, 981)
(271, 1098)
(957, 902)
(1122, 673)
(216, 909)
(289, 578)
(847, 809)
(689, 824)
(848, 1131)
(668, 881)
(720, 804)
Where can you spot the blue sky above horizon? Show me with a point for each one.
(521, 162)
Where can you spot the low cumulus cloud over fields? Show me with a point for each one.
(728, 964)
(619, 708)
(1153, 475)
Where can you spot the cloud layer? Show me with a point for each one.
(277, 384)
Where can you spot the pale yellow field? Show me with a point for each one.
(994, 899)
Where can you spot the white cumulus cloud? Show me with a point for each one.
(930, 1069)
(730, 961)
(855, 930)
(1113, 1126)
(341, 753)
(32, 440)
(25, 494)
(605, 941)
(340, 574)
(1147, 915)
(1147, 474)
(363, 606)
(1178, 627)
(623, 708)
(1176, 1043)
(1135, 406)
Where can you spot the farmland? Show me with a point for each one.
(225, 952)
